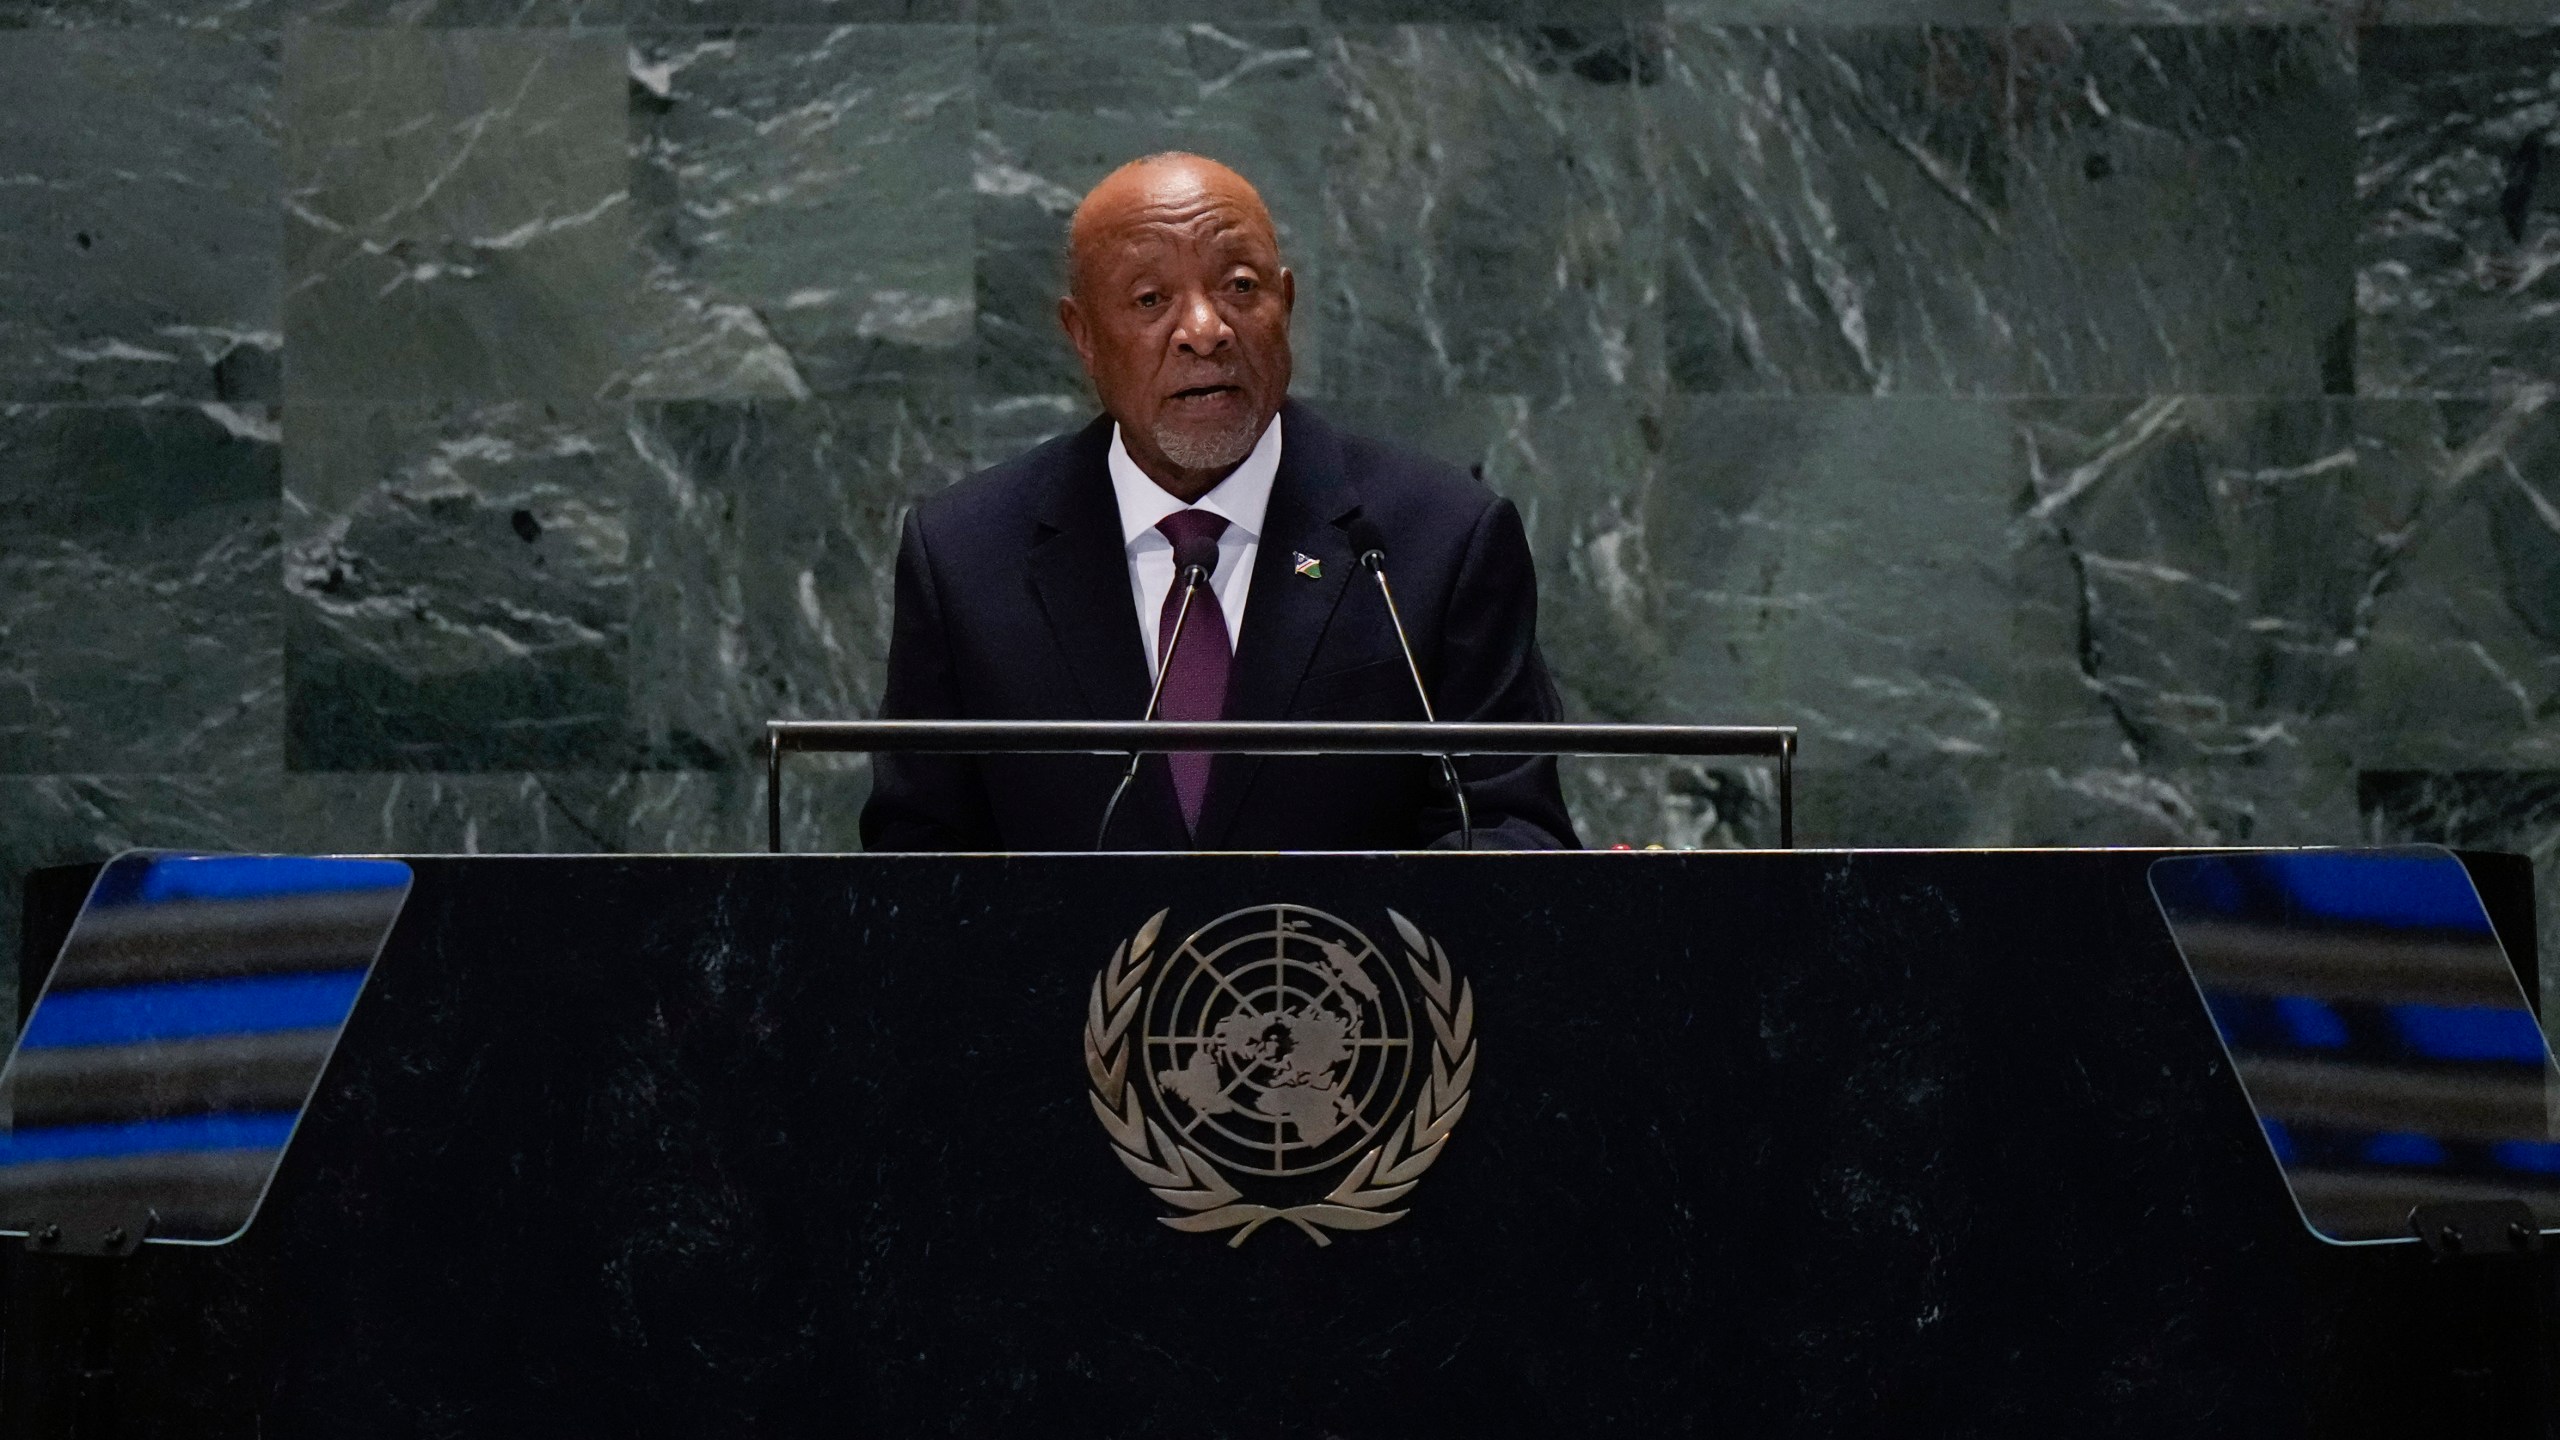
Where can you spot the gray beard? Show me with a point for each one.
(1219, 449)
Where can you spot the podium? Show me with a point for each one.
(1804, 1143)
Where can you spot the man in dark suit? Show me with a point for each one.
(1021, 591)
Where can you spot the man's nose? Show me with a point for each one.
(1203, 331)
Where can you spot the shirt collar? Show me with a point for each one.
(1242, 497)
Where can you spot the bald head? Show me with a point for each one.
(1172, 187)
(1180, 311)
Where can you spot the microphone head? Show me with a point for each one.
(1367, 542)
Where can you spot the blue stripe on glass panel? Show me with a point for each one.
(2280, 1140)
(2415, 892)
(163, 878)
(255, 1130)
(2470, 1032)
(184, 1010)
(2535, 1157)
(2403, 1149)
(2312, 1023)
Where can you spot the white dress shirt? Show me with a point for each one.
(1242, 498)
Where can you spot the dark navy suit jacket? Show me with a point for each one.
(1013, 603)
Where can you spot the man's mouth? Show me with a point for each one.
(1206, 392)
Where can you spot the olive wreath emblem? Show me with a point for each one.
(1185, 1179)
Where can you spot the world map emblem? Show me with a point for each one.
(1277, 1065)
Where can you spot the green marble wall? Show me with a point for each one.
(457, 424)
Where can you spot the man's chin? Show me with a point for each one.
(1209, 447)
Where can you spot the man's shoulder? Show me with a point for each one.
(1395, 478)
(1011, 492)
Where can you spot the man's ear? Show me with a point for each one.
(1071, 320)
(1288, 291)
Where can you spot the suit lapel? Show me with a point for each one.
(1080, 571)
(1285, 613)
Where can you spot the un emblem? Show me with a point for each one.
(1278, 1047)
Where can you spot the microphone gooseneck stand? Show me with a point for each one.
(1193, 577)
(1373, 558)
(1776, 743)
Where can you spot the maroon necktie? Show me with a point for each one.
(1195, 684)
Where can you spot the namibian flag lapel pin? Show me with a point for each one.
(1306, 564)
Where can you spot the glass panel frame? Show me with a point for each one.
(2377, 1028)
(179, 1038)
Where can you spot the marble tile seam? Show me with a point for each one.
(1565, 24)
(2362, 17)
(290, 422)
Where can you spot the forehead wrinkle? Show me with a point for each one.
(1170, 199)
(1211, 220)
(1199, 230)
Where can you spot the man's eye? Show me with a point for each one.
(1150, 300)
(1244, 285)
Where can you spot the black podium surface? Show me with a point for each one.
(1917, 1143)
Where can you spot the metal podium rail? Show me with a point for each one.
(1272, 737)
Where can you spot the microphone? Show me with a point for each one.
(1193, 577)
(1371, 548)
